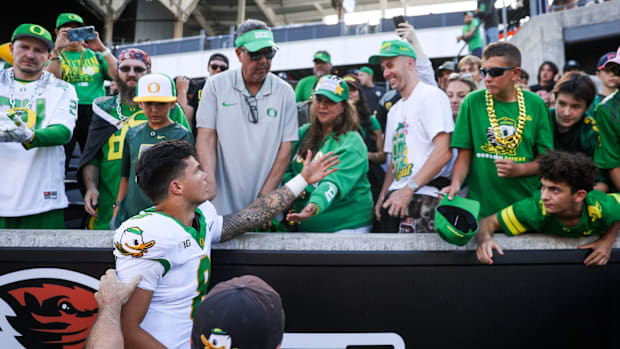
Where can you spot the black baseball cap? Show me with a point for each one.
(243, 312)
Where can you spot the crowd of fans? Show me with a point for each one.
(535, 158)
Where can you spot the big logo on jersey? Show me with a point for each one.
(46, 308)
(132, 243)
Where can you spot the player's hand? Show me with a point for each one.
(308, 211)
(484, 252)
(601, 251)
(112, 292)
(397, 203)
(317, 169)
(91, 199)
(20, 134)
(507, 168)
(6, 125)
(378, 205)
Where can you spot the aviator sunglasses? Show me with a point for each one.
(494, 72)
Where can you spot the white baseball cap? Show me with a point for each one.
(155, 87)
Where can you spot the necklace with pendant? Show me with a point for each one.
(17, 114)
(512, 143)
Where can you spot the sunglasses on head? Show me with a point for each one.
(127, 69)
(256, 56)
(494, 72)
(219, 67)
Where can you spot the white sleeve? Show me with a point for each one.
(213, 221)
(290, 118)
(65, 112)
(425, 71)
(151, 271)
(207, 107)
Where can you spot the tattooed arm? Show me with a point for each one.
(266, 207)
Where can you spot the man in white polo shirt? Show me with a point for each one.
(247, 123)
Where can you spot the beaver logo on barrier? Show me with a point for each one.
(46, 308)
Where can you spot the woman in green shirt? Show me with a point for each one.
(342, 201)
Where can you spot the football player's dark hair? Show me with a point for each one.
(577, 170)
(161, 164)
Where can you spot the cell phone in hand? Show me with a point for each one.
(398, 20)
(82, 33)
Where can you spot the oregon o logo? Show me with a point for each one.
(73, 17)
(153, 87)
(272, 113)
(37, 29)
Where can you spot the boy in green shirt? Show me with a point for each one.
(157, 97)
(499, 133)
(566, 205)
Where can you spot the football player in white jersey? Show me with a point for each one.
(169, 245)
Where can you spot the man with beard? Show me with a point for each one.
(247, 123)
(99, 168)
(322, 66)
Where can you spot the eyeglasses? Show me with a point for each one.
(494, 72)
(127, 69)
(256, 56)
(219, 67)
(253, 104)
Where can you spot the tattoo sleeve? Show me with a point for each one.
(261, 211)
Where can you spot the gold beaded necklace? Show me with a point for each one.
(514, 142)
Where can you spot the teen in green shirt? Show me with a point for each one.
(566, 205)
(499, 133)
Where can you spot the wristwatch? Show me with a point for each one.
(412, 185)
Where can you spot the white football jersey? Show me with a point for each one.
(33, 180)
(175, 263)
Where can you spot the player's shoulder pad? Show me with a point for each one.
(146, 235)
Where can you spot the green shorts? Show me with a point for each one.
(54, 219)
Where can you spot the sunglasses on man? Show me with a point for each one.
(256, 56)
(495, 72)
(220, 67)
(127, 69)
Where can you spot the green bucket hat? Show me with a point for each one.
(333, 88)
(456, 220)
(29, 30)
(255, 40)
(367, 70)
(65, 18)
(322, 56)
(393, 48)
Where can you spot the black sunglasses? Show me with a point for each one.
(219, 67)
(253, 104)
(256, 56)
(494, 72)
(127, 69)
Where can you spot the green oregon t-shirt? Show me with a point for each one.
(303, 90)
(472, 125)
(86, 71)
(607, 153)
(108, 158)
(476, 40)
(599, 212)
(343, 197)
(137, 140)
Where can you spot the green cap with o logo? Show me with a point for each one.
(322, 56)
(393, 48)
(255, 40)
(29, 30)
(333, 88)
(65, 18)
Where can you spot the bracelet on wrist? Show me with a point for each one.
(116, 204)
(106, 52)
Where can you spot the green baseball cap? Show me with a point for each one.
(255, 40)
(65, 18)
(322, 56)
(29, 30)
(367, 70)
(393, 48)
(332, 87)
(456, 220)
